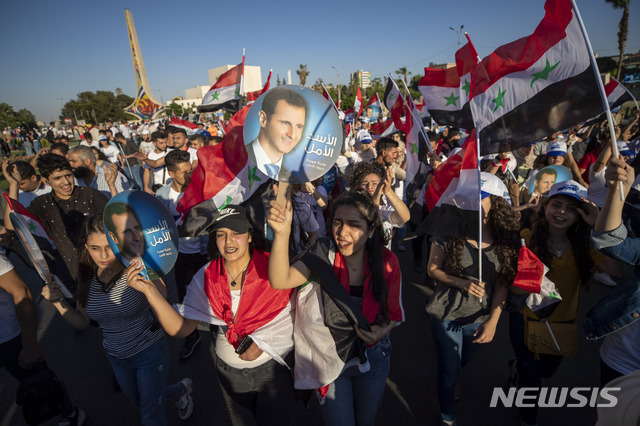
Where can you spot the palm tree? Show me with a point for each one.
(402, 72)
(303, 72)
(623, 27)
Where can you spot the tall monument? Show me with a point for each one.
(144, 106)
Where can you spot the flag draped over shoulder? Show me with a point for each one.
(452, 196)
(225, 175)
(446, 91)
(32, 222)
(225, 93)
(534, 86)
(252, 96)
(184, 124)
(616, 94)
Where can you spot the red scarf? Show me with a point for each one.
(259, 303)
(370, 307)
(504, 162)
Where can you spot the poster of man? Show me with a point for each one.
(139, 226)
(546, 177)
(292, 134)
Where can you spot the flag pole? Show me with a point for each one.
(330, 98)
(603, 95)
(413, 111)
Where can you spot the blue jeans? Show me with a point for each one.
(454, 347)
(134, 175)
(354, 397)
(142, 378)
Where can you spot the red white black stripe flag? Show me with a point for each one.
(616, 94)
(534, 86)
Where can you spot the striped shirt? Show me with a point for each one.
(125, 318)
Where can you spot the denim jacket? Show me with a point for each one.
(622, 307)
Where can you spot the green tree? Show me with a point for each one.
(11, 118)
(303, 72)
(107, 106)
(623, 29)
(404, 73)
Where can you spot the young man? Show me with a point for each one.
(106, 179)
(191, 250)
(180, 142)
(31, 185)
(61, 211)
(155, 172)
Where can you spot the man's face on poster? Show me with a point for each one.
(545, 183)
(369, 112)
(281, 132)
(128, 235)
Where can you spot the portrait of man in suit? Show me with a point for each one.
(282, 120)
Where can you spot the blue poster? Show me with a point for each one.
(138, 225)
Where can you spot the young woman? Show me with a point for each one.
(560, 238)
(465, 311)
(256, 326)
(135, 344)
(371, 275)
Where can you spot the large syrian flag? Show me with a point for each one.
(452, 196)
(252, 96)
(225, 175)
(188, 126)
(535, 86)
(225, 93)
(32, 222)
(616, 94)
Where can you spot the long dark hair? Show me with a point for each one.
(87, 267)
(361, 201)
(579, 236)
(504, 223)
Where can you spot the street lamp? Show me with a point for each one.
(459, 33)
(338, 82)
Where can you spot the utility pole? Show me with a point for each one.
(459, 33)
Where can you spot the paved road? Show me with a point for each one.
(410, 397)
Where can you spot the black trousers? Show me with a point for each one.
(264, 393)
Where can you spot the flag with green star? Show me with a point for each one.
(535, 86)
(32, 223)
(225, 93)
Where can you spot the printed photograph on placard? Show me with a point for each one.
(140, 227)
(292, 134)
(370, 114)
(542, 181)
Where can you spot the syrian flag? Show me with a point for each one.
(225, 93)
(535, 86)
(394, 102)
(452, 196)
(357, 104)
(327, 96)
(173, 114)
(188, 126)
(32, 222)
(617, 94)
(382, 129)
(252, 96)
(423, 111)
(225, 175)
(416, 148)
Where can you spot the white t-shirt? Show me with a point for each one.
(25, 198)
(193, 153)
(597, 186)
(9, 325)
(111, 151)
(160, 177)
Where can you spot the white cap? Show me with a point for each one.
(556, 149)
(570, 188)
(491, 184)
(145, 132)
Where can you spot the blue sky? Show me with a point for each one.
(54, 50)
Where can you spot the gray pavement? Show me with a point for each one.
(410, 397)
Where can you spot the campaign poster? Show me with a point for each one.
(293, 134)
(138, 226)
(546, 177)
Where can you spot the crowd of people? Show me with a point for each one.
(248, 282)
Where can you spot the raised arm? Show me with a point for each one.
(281, 275)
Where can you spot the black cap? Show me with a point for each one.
(233, 217)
